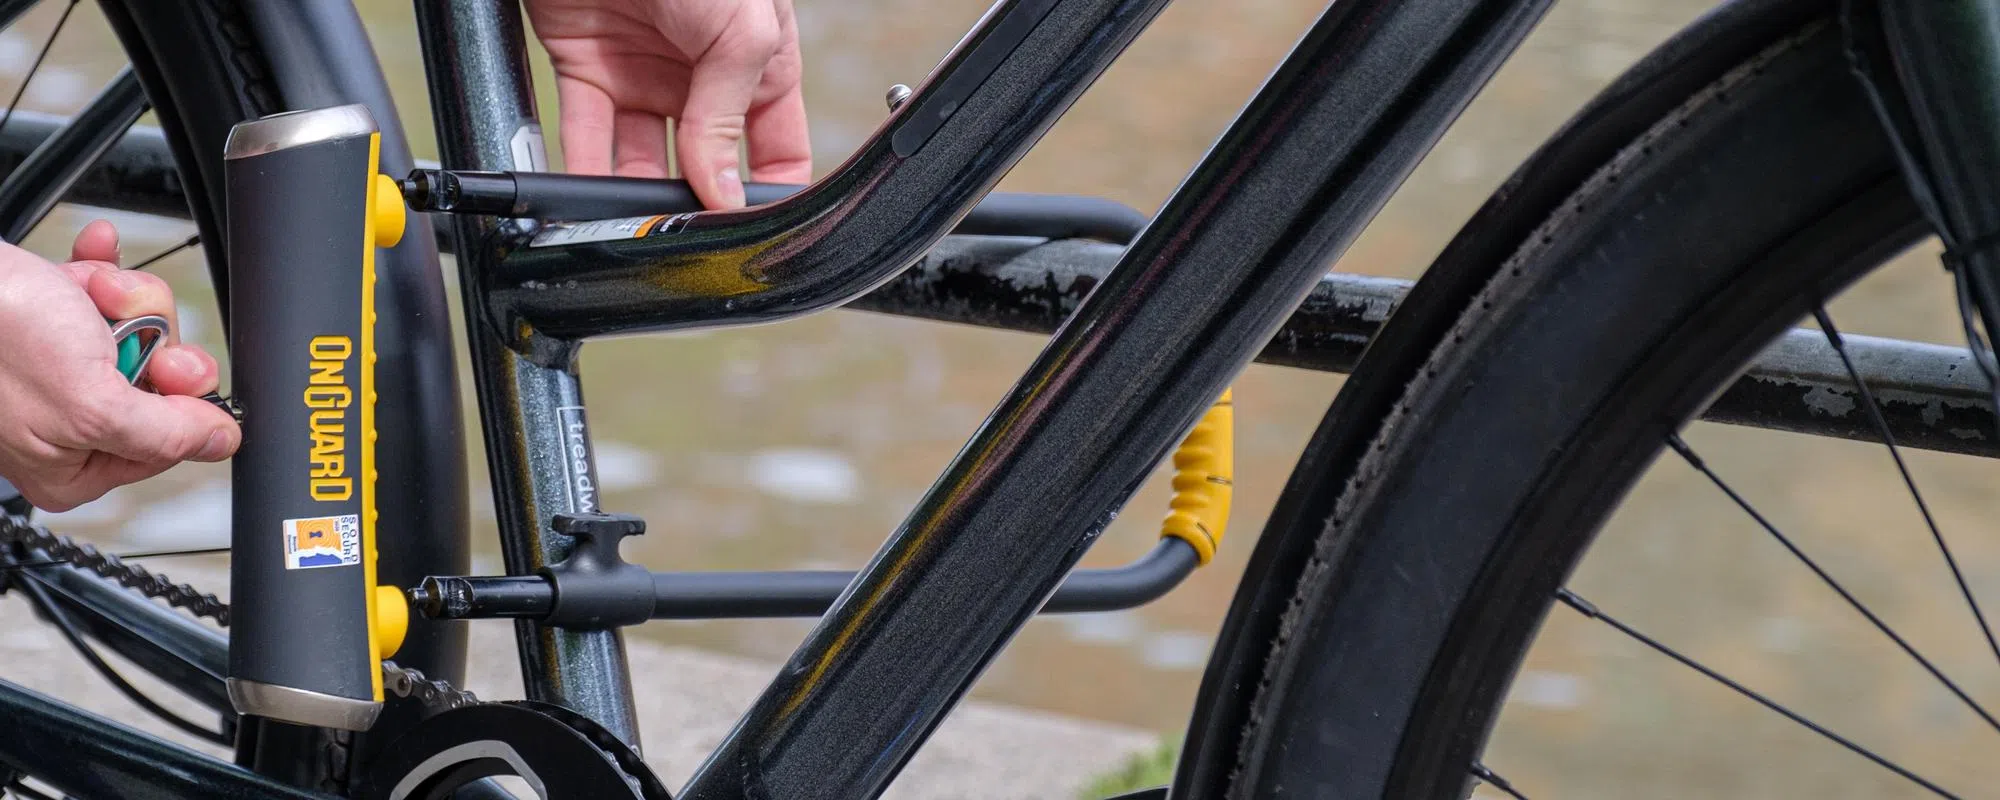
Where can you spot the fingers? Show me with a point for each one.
(95, 250)
(101, 473)
(184, 370)
(587, 116)
(51, 499)
(60, 497)
(641, 144)
(124, 294)
(80, 271)
(124, 437)
(98, 241)
(162, 429)
(780, 148)
(718, 101)
(98, 474)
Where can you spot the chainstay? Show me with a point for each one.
(86, 556)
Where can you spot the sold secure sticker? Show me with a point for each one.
(314, 542)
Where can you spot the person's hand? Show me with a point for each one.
(71, 427)
(722, 69)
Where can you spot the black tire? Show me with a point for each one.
(1518, 394)
(203, 72)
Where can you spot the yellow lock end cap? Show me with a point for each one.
(389, 212)
(392, 620)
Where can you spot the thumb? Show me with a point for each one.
(98, 241)
(711, 124)
(154, 429)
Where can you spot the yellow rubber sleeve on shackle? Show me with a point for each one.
(1204, 475)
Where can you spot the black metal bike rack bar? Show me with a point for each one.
(136, 174)
(1932, 395)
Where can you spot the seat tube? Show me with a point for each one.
(530, 400)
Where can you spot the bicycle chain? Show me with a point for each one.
(86, 556)
(433, 694)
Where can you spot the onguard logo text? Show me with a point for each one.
(327, 397)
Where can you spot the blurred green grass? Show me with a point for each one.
(1143, 771)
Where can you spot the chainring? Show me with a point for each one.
(560, 753)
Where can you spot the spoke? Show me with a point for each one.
(1686, 452)
(1585, 608)
(172, 553)
(191, 241)
(1882, 427)
(32, 69)
(57, 562)
(1494, 780)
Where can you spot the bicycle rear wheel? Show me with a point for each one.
(1530, 378)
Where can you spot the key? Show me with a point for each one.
(138, 338)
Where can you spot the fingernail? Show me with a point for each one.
(215, 449)
(731, 186)
(195, 366)
(127, 281)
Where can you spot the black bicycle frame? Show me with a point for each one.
(1313, 156)
(1249, 234)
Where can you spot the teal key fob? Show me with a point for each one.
(138, 338)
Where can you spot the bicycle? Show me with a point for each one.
(1618, 286)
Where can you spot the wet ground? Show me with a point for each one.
(802, 445)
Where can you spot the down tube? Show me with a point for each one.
(1296, 177)
(476, 60)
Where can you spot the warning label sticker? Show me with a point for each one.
(314, 542)
(606, 230)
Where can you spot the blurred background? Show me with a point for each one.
(802, 445)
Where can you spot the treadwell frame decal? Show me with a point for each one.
(579, 461)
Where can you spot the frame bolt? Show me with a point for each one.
(898, 95)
